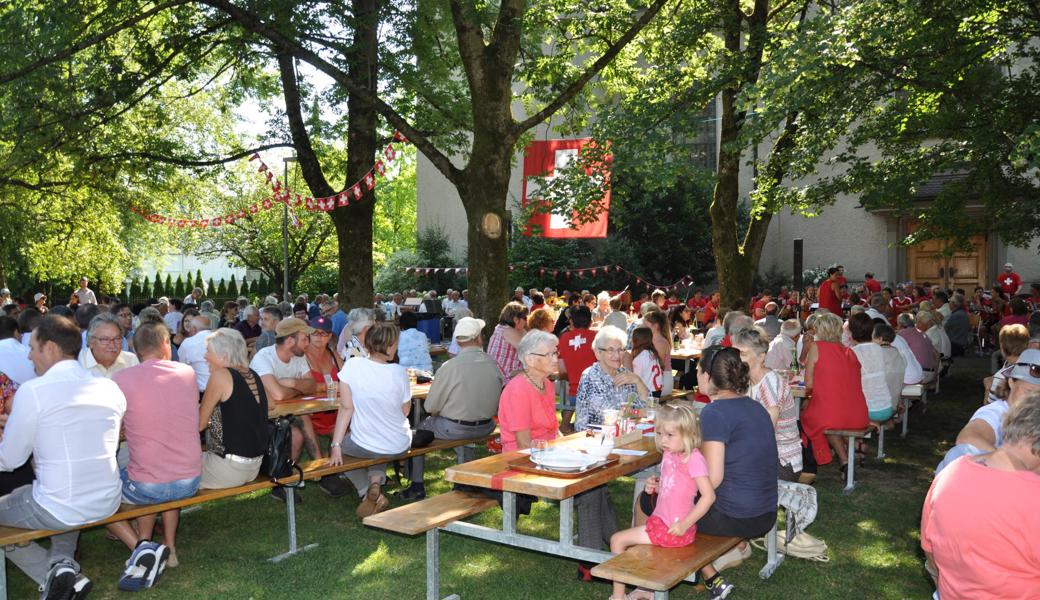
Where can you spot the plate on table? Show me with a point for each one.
(564, 460)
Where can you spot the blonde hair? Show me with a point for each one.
(685, 419)
(229, 345)
(828, 327)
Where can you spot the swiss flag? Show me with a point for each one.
(541, 159)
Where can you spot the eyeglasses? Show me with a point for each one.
(108, 341)
(553, 353)
(611, 350)
(1034, 370)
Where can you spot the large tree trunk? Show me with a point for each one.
(731, 265)
(354, 222)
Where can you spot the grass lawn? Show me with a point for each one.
(873, 535)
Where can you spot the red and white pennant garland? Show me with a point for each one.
(283, 195)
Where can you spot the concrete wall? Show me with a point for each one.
(184, 264)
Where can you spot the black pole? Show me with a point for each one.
(798, 264)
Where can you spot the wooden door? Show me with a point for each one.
(929, 262)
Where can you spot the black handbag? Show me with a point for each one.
(277, 461)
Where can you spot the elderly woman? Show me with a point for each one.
(249, 326)
(979, 520)
(351, 341)
(739, 447)
(512, 323)
(233, 414)
(374, 401)
(413, 350)
(833, 403)
(527, 406)
(770, 390)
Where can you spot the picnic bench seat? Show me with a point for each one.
(851, 435)
(431, 513)
(661, 569)
(312, 470)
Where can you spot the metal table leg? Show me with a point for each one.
(509, 512)
(906, 414)
(567, 521)
(290, 506)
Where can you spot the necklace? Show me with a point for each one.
(540, 388)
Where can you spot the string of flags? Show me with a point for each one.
(282, 194)
(556, 273)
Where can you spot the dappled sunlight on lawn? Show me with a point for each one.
(378, 561)
(479, 566)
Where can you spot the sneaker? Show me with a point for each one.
(144, 568)
(413, 492)
(718, 587)
(732, 558)
(279, 494)
(335, 486)
(82, 587)
(373, 502)
(60, 582)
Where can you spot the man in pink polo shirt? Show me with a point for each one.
(162, 433)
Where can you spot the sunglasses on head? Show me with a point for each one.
(1034, 370)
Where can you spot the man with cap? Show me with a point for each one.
(1010, 282)
(984, 430)
(284, 371)
(462, 400)
(40, 302)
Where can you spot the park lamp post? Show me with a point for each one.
(285, 232)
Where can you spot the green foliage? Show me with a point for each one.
(178, 288)
(394, 219)
(222, 290)
(232, 287)
(773, 279)
(158, 289)
(146, 288)
(432, 250)
(322, 278)
(168, 289)
(198, 283)
(211, 289)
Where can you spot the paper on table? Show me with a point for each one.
(628, 452)
(525, 451)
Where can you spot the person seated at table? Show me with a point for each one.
(783, 350)
(462, 400)
(161, 425)
(617, 315)
(644, 361)
(983, 430)
(895, 365)
(834, 393)
(541, 318)
(771, 390)
(413, 349)
(872, 368)
(229, 316)
(233, 414)
(734, 322)
(324, 366)
(770, 323)
(740, 449)
(657, 321)
(958, 325)
(681, 320)
(576, 355)
(351, 342)
(249, 326)
(925, 354)
(1012, 341)
(679, 497)
(270, 316)
(527, 406)
(979, 519)
(929, 323)
(374, 401)
(285, 374)
(103, 355)
(512, 323)
(716, 328)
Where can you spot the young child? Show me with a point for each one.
(644, 360)
(684, 492)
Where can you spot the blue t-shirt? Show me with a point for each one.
(339, 321)
(748, 487)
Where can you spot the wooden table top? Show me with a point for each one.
(686, 353)
(493, 472)
(308, 405)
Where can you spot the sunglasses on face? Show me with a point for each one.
(1034, 370)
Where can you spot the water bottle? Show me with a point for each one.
(330, 388)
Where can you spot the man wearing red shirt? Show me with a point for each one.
(1009, 281)
(697, 301)
(576, 355)
(873, 285)
(841, 276)
(900, 303)
(829, 292)
(712, 308)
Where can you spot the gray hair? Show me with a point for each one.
(531, 342)
(791, 328)
(926, 317)
(199, 323)
(271, 300)
(905, 320)
(206, 305)
(229, 345)
(877, 301)
(856, 309)
(103, 319)
(249, 310)
(609, 333)
(752, 339)
(360, 319)
(1022, 423)
(957, 300)
(735, 321)
(149, 314)
(461, 313)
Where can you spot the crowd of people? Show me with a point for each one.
(140, 383)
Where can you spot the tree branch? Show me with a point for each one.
(185, 162)
(576, 86)
(308, 159)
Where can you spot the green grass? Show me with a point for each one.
(873, 535)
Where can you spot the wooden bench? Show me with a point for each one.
(660, 569)
(312, 470)
(851, 435)
(428, 516)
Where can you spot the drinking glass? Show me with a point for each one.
(651, 408)
(539, 447)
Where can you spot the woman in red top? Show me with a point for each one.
(527, 407)
(832, 384)
(323, 362)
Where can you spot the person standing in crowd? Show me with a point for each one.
(161, 429)
(873, 285)
(194, 298)
(14, 356)
(829, 292)
(84, 295)
(1010, 282)
(103, 355)
(68, 420)
(173, 314)
(462, 402)
(40, 302)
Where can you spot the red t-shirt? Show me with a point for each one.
(523, 408)
(1009, 282)
(873, 286)
(829, 297)
(694, 303)
(710, 310)
(901, 304)
(576, 353)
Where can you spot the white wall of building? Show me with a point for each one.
(186, 264)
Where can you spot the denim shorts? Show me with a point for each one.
(136, 492)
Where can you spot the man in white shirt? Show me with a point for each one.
(85, 294)
(68, 420)
(195, 297)
(284, 371)
(192, 350)
(104, 355)
(14, 357)
(173, 315)
(783, 350)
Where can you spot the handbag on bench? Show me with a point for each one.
(277, 461)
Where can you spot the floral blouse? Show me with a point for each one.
(596, 393)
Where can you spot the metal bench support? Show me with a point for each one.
(850, 480)
(290, 506)
(773, 557)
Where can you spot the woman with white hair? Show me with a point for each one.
(527, 406)
(359, 321)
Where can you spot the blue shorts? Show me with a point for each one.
(880, 416)
(136, 492)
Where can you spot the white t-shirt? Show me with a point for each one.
(993, 415)
(872, 376)
(173, 320)
(649, 370)
(378, 392)
(914, 372)
(192, 352)
(14, 361)
(266, 362)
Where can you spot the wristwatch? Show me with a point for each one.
(334, 445)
